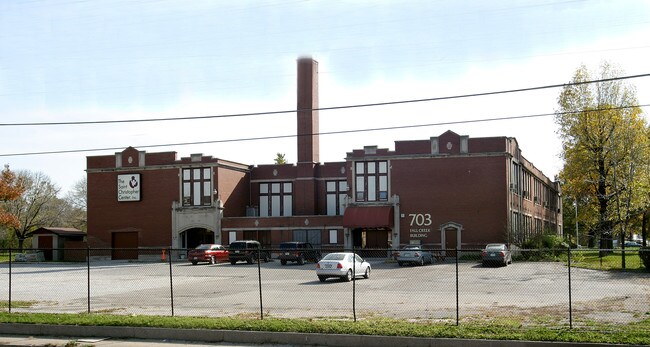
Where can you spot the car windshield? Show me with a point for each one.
(335, 256)
(203, 247)
(411, 248)
(495, 248)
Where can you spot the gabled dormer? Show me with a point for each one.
(449, 143)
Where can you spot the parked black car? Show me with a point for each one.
(247, 250)
(298, 252)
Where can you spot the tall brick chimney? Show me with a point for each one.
(308, 145)
(305, 188)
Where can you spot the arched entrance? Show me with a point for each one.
(193, 237)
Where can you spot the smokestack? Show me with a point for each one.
(308, 145)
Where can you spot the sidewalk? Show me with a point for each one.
(47, 341)
(14, 334)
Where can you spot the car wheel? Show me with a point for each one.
(367, 274)
(250, 259)
(322, 278)
(485, 264)
(400, 263)
(348, 276)
(233, 262)
(265, 258)
(212, 260)
(283, 262)
(301, 260)
(194, 262)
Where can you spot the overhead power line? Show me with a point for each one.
(321, 133)
(387, 103)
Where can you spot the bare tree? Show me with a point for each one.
(77, 201)
(37, 207)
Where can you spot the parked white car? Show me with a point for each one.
(345, 265)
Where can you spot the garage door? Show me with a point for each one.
(125, 246)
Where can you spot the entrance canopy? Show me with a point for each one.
(368, 217)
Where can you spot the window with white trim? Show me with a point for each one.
(371, 181)
(276, 199)
(336, 193)
(197, 186)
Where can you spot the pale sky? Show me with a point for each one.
(97, 60)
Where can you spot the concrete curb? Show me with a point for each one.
(260, 337)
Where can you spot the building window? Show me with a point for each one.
(515, 177)
(311, 236)
(276, 199)
(197, 187)
(334, 236)
(336, 193)
(371, 181)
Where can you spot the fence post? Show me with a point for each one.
(570, 302)
(457, 291)
(259, 281)
(171, 282)
(354, 284)
(9, 303)
(88, 275)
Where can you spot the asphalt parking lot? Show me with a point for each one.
(426, 292)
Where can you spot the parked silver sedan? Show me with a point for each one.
(497, 254)
(345, 265)
(414, 255)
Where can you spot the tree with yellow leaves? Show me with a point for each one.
(606, 151)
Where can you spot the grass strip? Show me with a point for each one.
(637, 333)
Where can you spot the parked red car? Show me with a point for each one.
(211, 253)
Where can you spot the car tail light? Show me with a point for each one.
(417, 254)
(339, 266)
(318, 265)
(484, 253)
(503, 254)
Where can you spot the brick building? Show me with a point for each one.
(444, 192)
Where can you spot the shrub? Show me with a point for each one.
(544, 246)
(644, 254)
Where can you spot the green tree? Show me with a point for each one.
(605, 150)
(280, 159)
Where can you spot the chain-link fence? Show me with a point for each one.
(551, 288)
